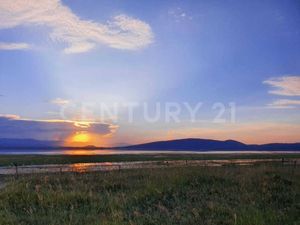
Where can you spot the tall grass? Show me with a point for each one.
(254, 195)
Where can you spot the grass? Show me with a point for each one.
(8, 160)
(248, 195)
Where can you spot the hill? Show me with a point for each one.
(194, 144)
(9, 143)
(190, 144)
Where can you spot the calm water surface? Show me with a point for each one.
(121, 152)
(110, 166)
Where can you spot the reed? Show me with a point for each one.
(248, 195)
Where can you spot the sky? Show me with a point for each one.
(120, 72)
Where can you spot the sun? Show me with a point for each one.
(81, 137)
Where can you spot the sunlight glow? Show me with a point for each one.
(84, 139)
(82, 124)
(81, 138)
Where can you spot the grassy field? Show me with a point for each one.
(6, 160)
(248, 195)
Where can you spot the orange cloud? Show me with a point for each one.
(12, 126)
(284, 104)
(286, 85)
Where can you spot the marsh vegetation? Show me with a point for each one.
(252, 195)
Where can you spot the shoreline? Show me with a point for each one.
(40, 159)
(112, 166)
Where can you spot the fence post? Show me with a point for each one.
(119, 166)
(17, 172)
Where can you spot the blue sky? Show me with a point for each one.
(61, 54)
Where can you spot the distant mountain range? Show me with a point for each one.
(33, 144)
(27, 143)
(190, 144)
(194, 144)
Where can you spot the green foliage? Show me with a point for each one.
(248, 195)
(8, 160)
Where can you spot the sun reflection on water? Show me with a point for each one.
(84, 167)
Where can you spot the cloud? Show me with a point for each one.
(286, 85)
(14, 46)
(122, 32)
(60, 101)
(12, 126)
(284, 104)
(178, 14)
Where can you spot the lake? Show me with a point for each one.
(110, 166)
(122, 152)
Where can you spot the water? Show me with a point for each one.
(110, 166)
(122, 152)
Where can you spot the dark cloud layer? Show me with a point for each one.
(14, 127)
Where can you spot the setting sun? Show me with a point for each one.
(81, 138)
(150, 112)
(84, 138)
